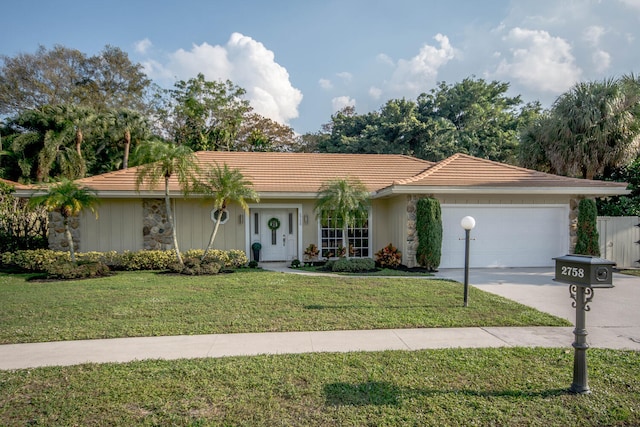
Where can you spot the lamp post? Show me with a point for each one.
(468, 222)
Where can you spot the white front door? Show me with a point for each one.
(277, 231)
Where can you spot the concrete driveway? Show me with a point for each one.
(614, 314)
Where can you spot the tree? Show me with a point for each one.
(160, 160)
(588, 240)
(346, 201)
(429, 230)
(204, 115)
(622, 205)
(50, 138)
(223, 186)
(486, 121)
(593, 126)
(258, 133)
(127, 126)
(69, 200)
(67, 76)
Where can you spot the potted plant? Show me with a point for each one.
(255, 247)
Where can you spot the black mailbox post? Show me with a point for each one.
(583, 274)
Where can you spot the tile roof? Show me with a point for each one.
(285, 172)
(461, 170)
(304, 173)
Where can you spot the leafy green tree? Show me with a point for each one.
(588, 240)
(593, 126)
(345, 201)
(159, 161)
(202, 114)
(429, 230)
(486, 121)
(622, 205)
(67, 76)
(223, 186)
(258, 133)
(21, 226)
(69, 199)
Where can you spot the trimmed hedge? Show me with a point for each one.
(588, 239)
(429, 230)
(353, 265)
(43, 260)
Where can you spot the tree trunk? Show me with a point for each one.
(67, 233)
(127, 147)
(213, 234)
(174, 233)
(345, 241)
(79, 139)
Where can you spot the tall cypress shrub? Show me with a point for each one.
(429, 230)
(588, 239)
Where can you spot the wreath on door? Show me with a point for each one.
(273, 224)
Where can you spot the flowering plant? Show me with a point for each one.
(389, 256)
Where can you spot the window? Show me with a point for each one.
(215, 214)
(331, 238)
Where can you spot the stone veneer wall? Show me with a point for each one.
(156, 231)
(57, 239)
(412, 235)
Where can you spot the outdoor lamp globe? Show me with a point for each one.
(468, 222)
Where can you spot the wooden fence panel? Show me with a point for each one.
(619, 237)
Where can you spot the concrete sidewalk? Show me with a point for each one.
(19, 356)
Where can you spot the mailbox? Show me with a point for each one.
(584, 270)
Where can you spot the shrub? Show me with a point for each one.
(588, 239)
(82, 270)
(38, 260)
(389, 257)
(353, 265)
(194, 266)
(429, 230)
(146, 260)
(237, 258)
(295, 263)
(253, 264)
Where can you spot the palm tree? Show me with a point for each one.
(345, 201)
(160, 161)
(130, 126)
(595, 125)
(69, 200)
(223, 186)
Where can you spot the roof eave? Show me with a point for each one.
(421, 189)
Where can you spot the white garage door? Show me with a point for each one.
(505, 235)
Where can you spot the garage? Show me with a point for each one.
(505, 235)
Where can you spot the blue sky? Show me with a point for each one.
(301, 60)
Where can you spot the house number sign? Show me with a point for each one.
(572, 271)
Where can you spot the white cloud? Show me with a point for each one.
(325, 84)
(143, 46)
(385, 59)
(341, 102)
(601, 60)
(345, 76)
(420, 72)
(248, 64)
(539, 61)
(375, 92)
(593, 34)
(634, 4)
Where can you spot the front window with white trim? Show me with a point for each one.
(331, 244)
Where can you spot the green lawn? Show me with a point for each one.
(486, 387)
(152, 304)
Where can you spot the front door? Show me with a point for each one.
(277, 233)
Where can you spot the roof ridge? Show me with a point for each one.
(434, 168)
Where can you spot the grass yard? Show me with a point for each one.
(497, 387)
(152, 304)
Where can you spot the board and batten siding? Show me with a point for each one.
(194, 226)
(619, 237)
(118, 227)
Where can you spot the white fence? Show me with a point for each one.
(619, 240)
